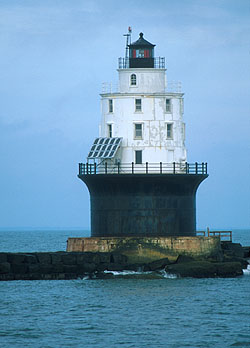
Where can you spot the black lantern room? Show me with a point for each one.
(141, 54)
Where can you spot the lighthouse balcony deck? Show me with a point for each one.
(156, 63)
(144, 168)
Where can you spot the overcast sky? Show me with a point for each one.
(55, 54)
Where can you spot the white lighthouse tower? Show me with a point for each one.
(148, 118)
(137, 173)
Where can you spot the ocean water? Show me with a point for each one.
(122, 312)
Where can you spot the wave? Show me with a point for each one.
(246, 271)
(141, 274)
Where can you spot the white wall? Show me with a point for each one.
(150, 88)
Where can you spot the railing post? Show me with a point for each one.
(94, 168)
(132, 167)
(83, 169)
(80, 167)
(202, 166)
(106, 167)
(160, 167)
(208, 232)
(186, 168)
(196, 168)
(146, 167)
(118, 167)
(174, 167)
(87, 165)
(206, 167)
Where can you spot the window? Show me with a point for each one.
(137, 104)
(168, 105)
(133, 80)
(138, 157)
(109, 130)
(138, 131)
(110, 105)
(169, 131)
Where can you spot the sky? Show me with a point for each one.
(55, 55)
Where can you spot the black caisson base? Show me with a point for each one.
(143, 204)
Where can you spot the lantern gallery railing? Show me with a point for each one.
(159, 63)
(145, 168)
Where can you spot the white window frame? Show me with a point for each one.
(133, 80)
(111, 106)
(136, 136)
(170, 131)
(137, 151)
(138, 105)
(168, 107)
(110, 130)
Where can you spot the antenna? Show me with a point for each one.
(128, 42)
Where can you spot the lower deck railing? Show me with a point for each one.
(144, 168)
(223, 235)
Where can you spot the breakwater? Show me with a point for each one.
(72, 265)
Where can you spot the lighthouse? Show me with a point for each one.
(137, 173)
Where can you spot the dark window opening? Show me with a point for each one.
(138, 157)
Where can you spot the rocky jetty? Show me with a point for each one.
(73, 265)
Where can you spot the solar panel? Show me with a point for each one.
(104, 147)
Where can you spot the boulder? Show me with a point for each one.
(21, 268)
(16, 258)
(3, 257)
(44, 258)
(184, 258)
(30, 259)
(5, 267)
(56, 257)
(69, 259)
(244, 262)
(157, 264)
(232, 249)
(205, 269)
(195, 269)
(228, 269)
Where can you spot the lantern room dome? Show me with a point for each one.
(141, 42)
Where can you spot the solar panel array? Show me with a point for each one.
(104, 147)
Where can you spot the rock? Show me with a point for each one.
(184, 258)
(56, 257)
(5, 267)
(115, 267)
(69, 259)
(30, 259)
(243, 262)
(232, 249)
(158, 264)
(70, 269)
(104, 257)
(46, 268)
(3, 257)
(16, 258)
(228, 269)
(19, 268)
(89, 267)
(246, 251)
(204, 269)
(7, 276)
(44, 258)
(86, 257)
(195, 269)
(34, 268)
(118, 258)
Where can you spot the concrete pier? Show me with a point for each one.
(148, 249)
